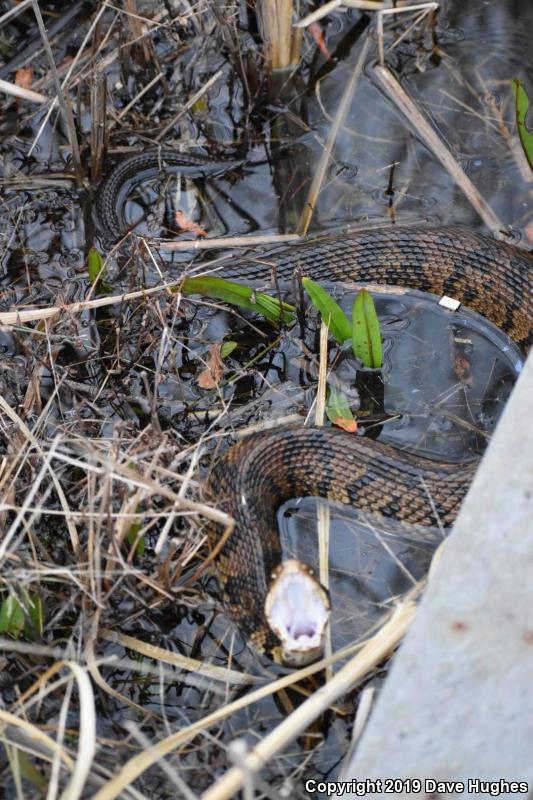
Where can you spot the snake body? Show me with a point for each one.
(254, 477)
(135, 170)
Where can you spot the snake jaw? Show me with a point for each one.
(297, 610)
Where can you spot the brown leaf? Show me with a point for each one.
(349, 425)
(32, 398)
(24, 77)
(187, 224)
(462, 368)
(211, 376)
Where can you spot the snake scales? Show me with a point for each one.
(254, 477)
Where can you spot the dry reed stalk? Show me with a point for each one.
(20, 92)
(378, 648)
(142, 761)
(86, 733)
(14, 12)
(212, 671)
(98, 135)
(333, 5)
(29, 439)
(279, 40)
(63, 99)
(34, 733)
(323, 510)
(189, 104)
(70, 70)
(230, 241)
(137, 27)
(318, 177)
(425, 132)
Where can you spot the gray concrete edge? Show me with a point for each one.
(458, 702)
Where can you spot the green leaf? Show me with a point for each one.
(200, 106)
(522, 108)
(239, 295)
(330, 311)
(30, 773)
(366, 338)
(339, 412)
(97, 272)
(95, 266)
(132, 535)
(11, 616)
(227, 348)
(35, 608)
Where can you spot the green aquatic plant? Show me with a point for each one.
(366, 333)
(521, 109)
(24, 615)
(97, 271)
(239, 295)
(364, 330)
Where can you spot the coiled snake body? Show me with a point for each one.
(254, 477)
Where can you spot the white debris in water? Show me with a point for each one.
(449, 302)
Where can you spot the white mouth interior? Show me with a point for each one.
(298, 614)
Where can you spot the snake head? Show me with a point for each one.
(297, 610)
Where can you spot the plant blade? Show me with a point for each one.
(95, 264)
(330, 311)
(239, 295)
(366, 335)
(521, 109)
(11, 616)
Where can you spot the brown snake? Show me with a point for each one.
(254, 477)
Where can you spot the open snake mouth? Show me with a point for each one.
(297, 610)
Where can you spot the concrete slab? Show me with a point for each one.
(458, 704)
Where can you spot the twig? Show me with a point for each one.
(381, 645)
(230, 241)
(323, 515)
(140, 94)
(30, 315)
(64, 105)
(24, 94)
(189, 104)
(98, 137)
(318, 178)
(425, 132)
(14, 12)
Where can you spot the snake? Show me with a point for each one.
(279, 606)
(114, 189)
